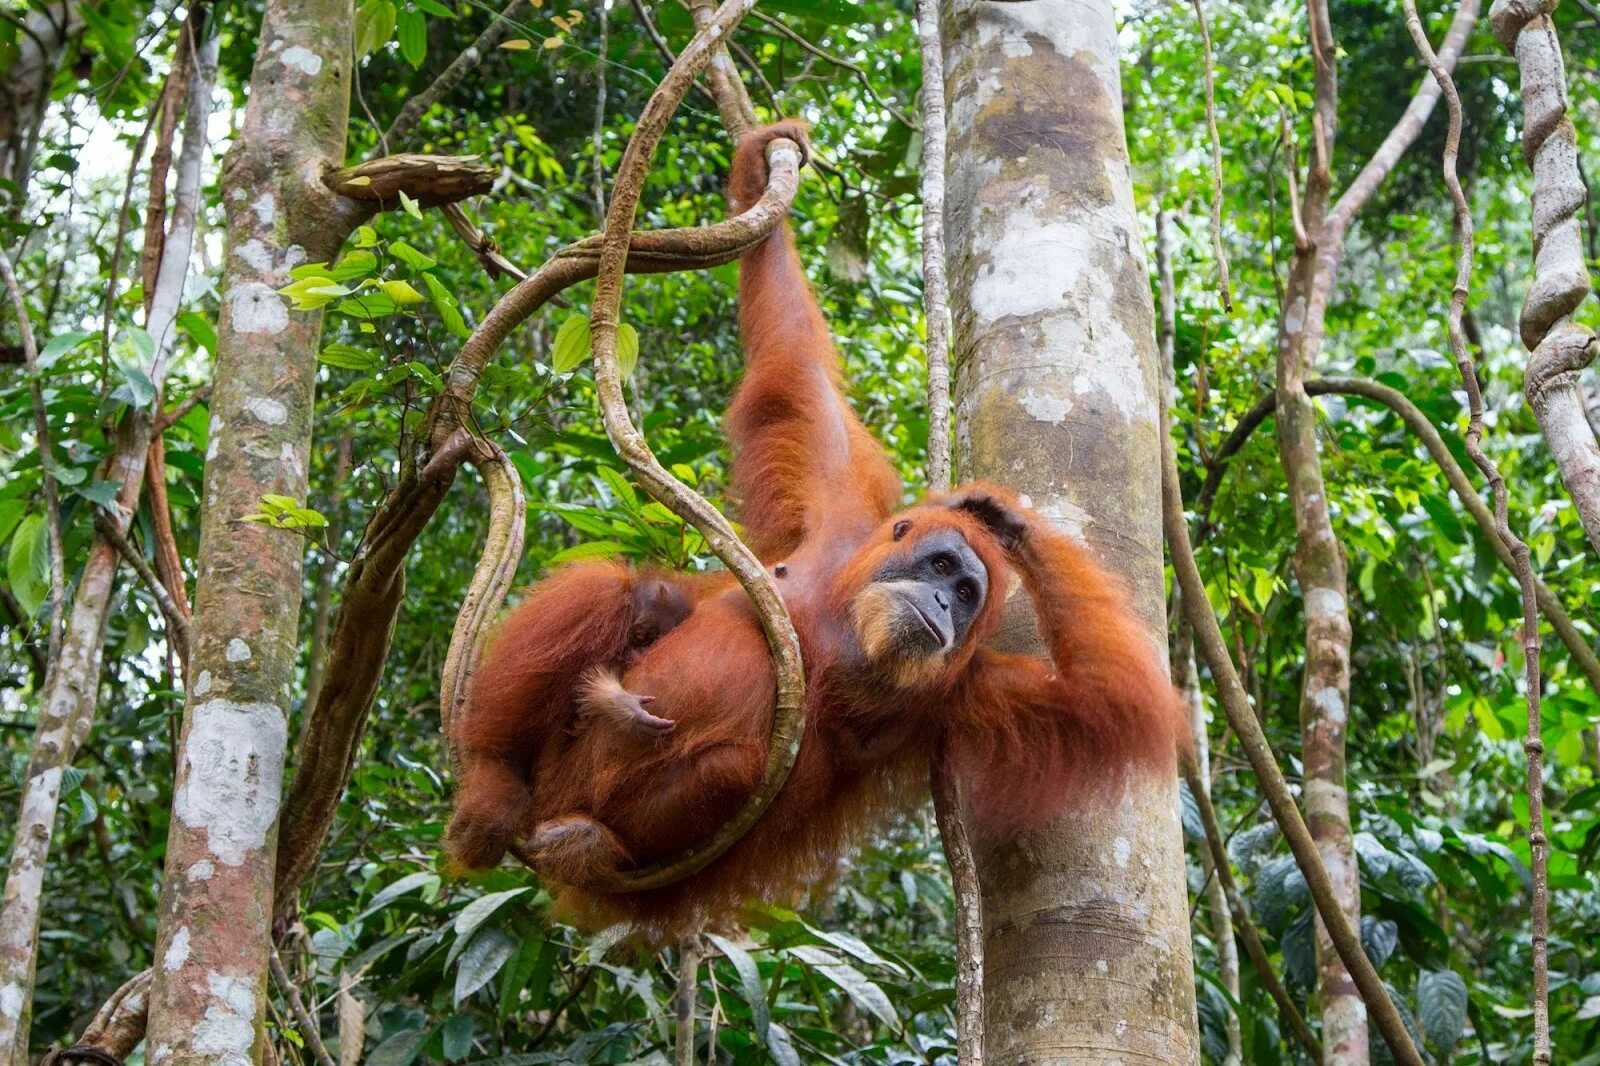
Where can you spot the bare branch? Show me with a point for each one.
(950, 813)
(1583, 656)
(842, 63)
(1293, 1020)
(1409, 126)
(935, 289)
(1217, 248)
(1241, 716)
(1522, 565)
(297, 1006)
(116, 1029)
(1561, 348)
(463, 64)
(177, 623)
(483, 246)
(430, 180)
(789, 707)
(41, 431)
(686, 1000)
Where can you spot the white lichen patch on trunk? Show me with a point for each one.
(232, 779)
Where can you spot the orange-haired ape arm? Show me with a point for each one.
(1036, 736)
(803, 462)
(523, 696)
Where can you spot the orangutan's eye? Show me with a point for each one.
(966, 591)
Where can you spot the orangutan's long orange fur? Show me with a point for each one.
(1031, 737)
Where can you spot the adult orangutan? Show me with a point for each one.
(892, 608)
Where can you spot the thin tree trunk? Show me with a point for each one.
(42, 41)
(1087, 953)
(1560, 347)
(1319, 559)
(214, 937)
(68, 703)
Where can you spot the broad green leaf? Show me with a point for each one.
(479, 910)
(862, 991)
(410, 256)
(589, 549)
(572, 344)
(400, 1049)
(627, 349)
(481, 961)
(60, 345)
(410, 205)
(413, 36)
(401, 292)
(349, 357)
(445, 302)
(391, 892)
(1378, 937)
(374, 26)
(750, 988)
(28, 564)
(1442, 1008)
(781, 1046)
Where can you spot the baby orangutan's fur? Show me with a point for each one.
(893, 611)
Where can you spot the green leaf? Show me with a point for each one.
(201, 328)
(136, 389)
(61, 345)
(444, 300)
(862, 992)
(627, 349)
(391, 892)
(368, 305)
(589, 549)
(1378, 938)
(481, 961)
(410, 256)
(434, 8)
(401, 292)
(28, 564)
(1442, 1008)
(781, 1047)
(401, 1049)
(479, 910)
(366, 236)
(413, 44)
(410, 205)
(457, 1034)
(101, 493)
(571, 346)
(349, 357)
(750, 987)
(374, 26)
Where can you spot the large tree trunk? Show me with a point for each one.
(214, 937)
(1086, 921)
(67, 706)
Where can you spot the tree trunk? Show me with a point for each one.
(1086, 920)
(42, 42)
(214, 937)
(67, 706)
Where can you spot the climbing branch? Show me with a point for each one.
(304, 1019)
(177, 623)
(950, 813)
(1555, 613)
(1293, 1020)
(1560, 347)
(1522, 565)
(788, 717)
(374, 584)
(1241, 716)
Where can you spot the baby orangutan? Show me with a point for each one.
(659, 606)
